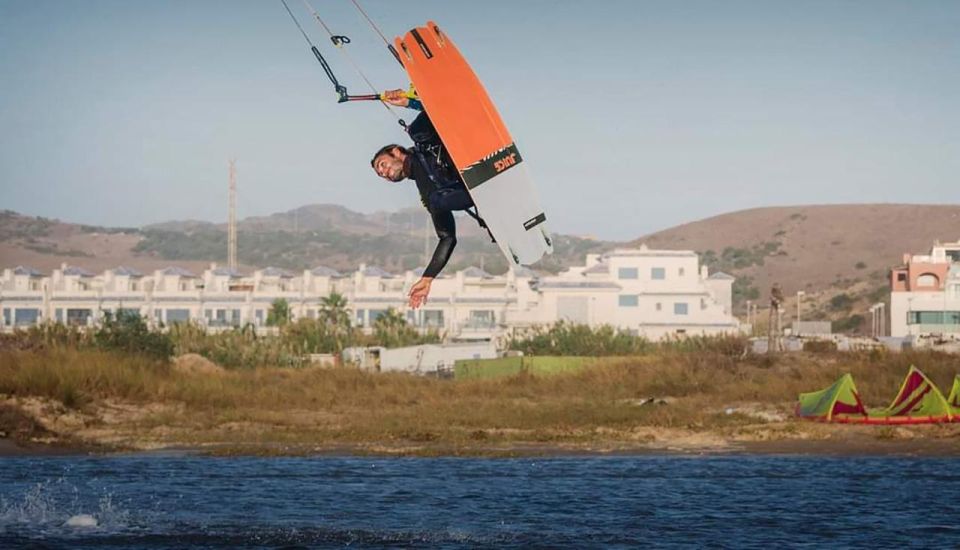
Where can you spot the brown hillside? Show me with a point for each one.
(818, 247)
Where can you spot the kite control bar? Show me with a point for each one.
(409, 94)
(338, 40)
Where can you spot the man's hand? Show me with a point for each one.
(398, 98)
(419, 291)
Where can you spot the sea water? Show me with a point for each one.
(592, 502)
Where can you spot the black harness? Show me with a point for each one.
(444, 177)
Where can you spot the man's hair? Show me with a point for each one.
(385, 150)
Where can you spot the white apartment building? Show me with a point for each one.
(654, 293)
(925, 293)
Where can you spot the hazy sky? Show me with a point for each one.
(633, 116)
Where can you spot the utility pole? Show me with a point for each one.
(774, 331)
(800, 294)
(232, 219)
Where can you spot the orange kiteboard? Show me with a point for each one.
(478, 142)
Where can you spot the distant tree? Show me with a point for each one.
(335, 318)
(333, 310)
(279, 314)
(391, 330)
(841, 302)
(127, 331)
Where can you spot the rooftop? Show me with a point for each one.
(77, 271)
(29, 271)
(178, 271)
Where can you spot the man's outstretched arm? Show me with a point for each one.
(446, 229)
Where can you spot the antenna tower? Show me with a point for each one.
(232, 219)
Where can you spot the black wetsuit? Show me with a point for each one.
(441, 189)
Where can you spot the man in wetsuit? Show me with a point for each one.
(441, 189)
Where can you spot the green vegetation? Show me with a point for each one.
(279, 314)
(52, 248)
(109, 230)
(564, 338)
(601, 405)
(238, 348)
(744, 290)
(14, 226)
(733, 259)
(304, 249)
(570, 340)
(841, 302)
(878, 294)
(510, 366)
(848, 324)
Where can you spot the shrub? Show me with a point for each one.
(820, 346)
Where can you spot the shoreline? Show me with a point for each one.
(842, 448)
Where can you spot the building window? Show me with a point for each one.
(6, 316)
(628, 273)
(629, 300)
(128, 312)
(928, 280)
(658, 273)
(703, 303)
(361, 317)
(659, 306)
(178, 316)
(23, 317)
(901, 277)
(933, 318)
(376, 314)
(680, 308)
(259, 317)
(680, 272)
(483, 318)
(433, 318)
(79, 317)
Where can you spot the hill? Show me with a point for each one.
(298, 239)
(839, 255)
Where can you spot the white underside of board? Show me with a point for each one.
(506, 202)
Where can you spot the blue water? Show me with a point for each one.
(660, 502)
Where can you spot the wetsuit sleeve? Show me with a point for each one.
(415, 104)
(446, 228)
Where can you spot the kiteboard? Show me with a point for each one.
(478, 142)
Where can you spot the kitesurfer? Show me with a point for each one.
(441, 189)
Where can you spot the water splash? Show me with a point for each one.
(55, 505)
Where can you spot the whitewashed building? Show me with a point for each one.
(925, 293)
(653, 293)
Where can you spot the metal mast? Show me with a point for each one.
(232, 219)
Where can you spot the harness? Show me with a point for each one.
(433, 157)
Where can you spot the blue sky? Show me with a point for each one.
(632, 116)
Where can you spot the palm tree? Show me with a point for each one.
(279, 314)
(391, 329)
(333, 310)
(336, 319)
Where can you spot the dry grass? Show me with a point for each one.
(342, 406)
